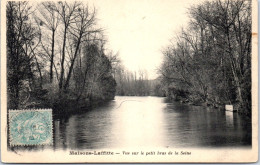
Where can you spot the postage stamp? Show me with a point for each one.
(30, 127)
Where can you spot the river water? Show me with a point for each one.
(151, 122)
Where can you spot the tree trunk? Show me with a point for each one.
(234, 72)
(72, 64)
(63, 59)
(52, 56)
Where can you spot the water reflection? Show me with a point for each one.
(139, 123)
(150, 122)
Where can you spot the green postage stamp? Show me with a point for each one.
(30, 127)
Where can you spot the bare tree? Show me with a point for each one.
(49, 19)
(211, 57)
(80, 29)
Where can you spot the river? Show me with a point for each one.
(151, 122)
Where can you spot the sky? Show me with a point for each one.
(139, 29)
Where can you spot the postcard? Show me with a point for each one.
(124, 81)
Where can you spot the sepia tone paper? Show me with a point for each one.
(129, 154)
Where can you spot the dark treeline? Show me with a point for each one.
(133, 83)
(209, 62)
(56, 56)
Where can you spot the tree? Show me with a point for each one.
(21, 42)
(55, 54)
(49, 20)
(210, 61)
(80, 31)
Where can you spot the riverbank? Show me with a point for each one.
(69, 107)
(210, 104)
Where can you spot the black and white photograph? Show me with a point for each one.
(129, 81)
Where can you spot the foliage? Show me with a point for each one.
(210, 61)
(131, 83)
(56, 54)
(21, 39)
